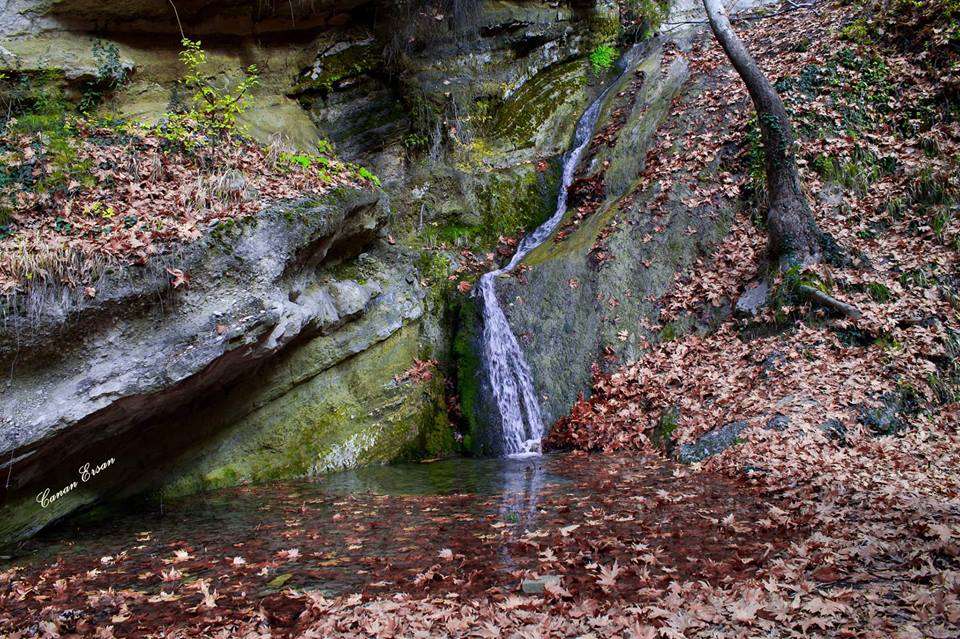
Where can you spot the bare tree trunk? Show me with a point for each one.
(793, 233)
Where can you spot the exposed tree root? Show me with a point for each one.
(828, 301)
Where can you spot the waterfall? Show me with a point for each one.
(508, 371)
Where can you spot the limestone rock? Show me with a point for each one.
(753, 299)
(538, 586)
(210, 384)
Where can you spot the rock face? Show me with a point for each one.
(711, 444)
(586, 295)
(278, 359)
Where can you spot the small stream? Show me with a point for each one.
(453, 528)
(379, 527)
(511, 381)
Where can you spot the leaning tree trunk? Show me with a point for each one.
(793, 233)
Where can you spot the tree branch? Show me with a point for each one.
(828, 301)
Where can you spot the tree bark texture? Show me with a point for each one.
(792, 230)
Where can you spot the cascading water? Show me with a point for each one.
(510, 378)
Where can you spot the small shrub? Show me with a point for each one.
(110, 75)
(415, 142)
(649, 13)
(211, 112)
(940, 221)
(602, 58)
(856, 32)
(324, 146)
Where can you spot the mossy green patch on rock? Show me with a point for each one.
(516, 200)
(469, 371)
(487, 206)
(570, 312)
(544, 108)
(350, 61)
(351, 414)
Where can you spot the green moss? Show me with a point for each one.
(507, 203)
(669, 332)
(648, 14)
(349, 63)
(577, 243)
(350, 414)
(23, 515)
(662, 435)
(857, 31)
(468, 370)
(434, 267)
(521, 117)
(605, 28)
(879, 292)
(514, 203)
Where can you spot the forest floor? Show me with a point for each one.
(836, 513)
(80, 196)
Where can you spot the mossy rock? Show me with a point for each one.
(544, 110)
(350, 61)
(469, 371)
(571, 311)
(352, 414)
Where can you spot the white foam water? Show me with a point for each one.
(508, 371)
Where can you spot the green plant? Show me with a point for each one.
(879, 292)
(651, 12)
(37, 107)
(303, 161)
(110, 75)
(669, 333)
(756, 170)
(481, 114)
(415, 141)
(662, 435)
(857, 31)
(602, 58)
(212, 112)
(365, 174)
(300, 159)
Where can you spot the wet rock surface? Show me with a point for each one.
(279, 358)
(778, 423)
(587, 290)
(834, 430)
(711, 444)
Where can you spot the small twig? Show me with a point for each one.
(828, 301)
(176, 14)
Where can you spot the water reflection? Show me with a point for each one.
(519, 482)
(519, 479)
(523, 482)
(456, 526)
